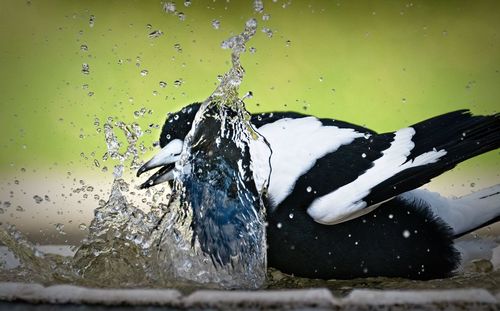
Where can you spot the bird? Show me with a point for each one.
(342, 200)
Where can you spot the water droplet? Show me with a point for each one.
(279, 225)
(155, 34)
(187, 3)
(169, 7)
(96, 163)
(266, 17)
(309, 189)
(472, 184)
(252, 50)
(91, 21)
(82, 226)
(163, 84)
(363, 155)
(216, 24)
(60, 228)
(182, 16)
(269, 33)
(178, 83)
(258, 6)
(85, 68)
(178, 47)
(84, 47)
(291, 215)
(288, 43)
(144, 72)
(391, 216)
(406, 234)
(38, 199)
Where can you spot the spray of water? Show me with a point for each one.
(128, 247)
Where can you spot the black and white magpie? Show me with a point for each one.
(340, 201)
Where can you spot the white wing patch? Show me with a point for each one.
(347, 199)
(296, 145)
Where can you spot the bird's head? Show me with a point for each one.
(173, 133)
(219, 166)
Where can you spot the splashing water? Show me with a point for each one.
(216, 228)
(212, 230)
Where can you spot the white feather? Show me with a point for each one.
(296, 145)
(348, 199)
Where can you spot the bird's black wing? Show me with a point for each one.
(340, 177)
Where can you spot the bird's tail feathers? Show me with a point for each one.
(463, 214)
(484, 207)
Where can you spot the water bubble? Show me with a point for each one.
(215, 24)
(406, 234)
(85, 68)
(163, 84)
(309, 189)
(155, 34)
(38, 199)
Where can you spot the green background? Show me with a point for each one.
(382, 64)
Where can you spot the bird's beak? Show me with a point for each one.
(165, 159)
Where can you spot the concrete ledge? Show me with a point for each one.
(416, 297)
(301, 298)
(69, 294)
(311, 299)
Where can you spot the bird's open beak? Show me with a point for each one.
(165, 159)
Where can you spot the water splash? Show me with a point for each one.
(167, 246)
(215, 232)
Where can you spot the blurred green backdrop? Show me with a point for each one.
(383, 64)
